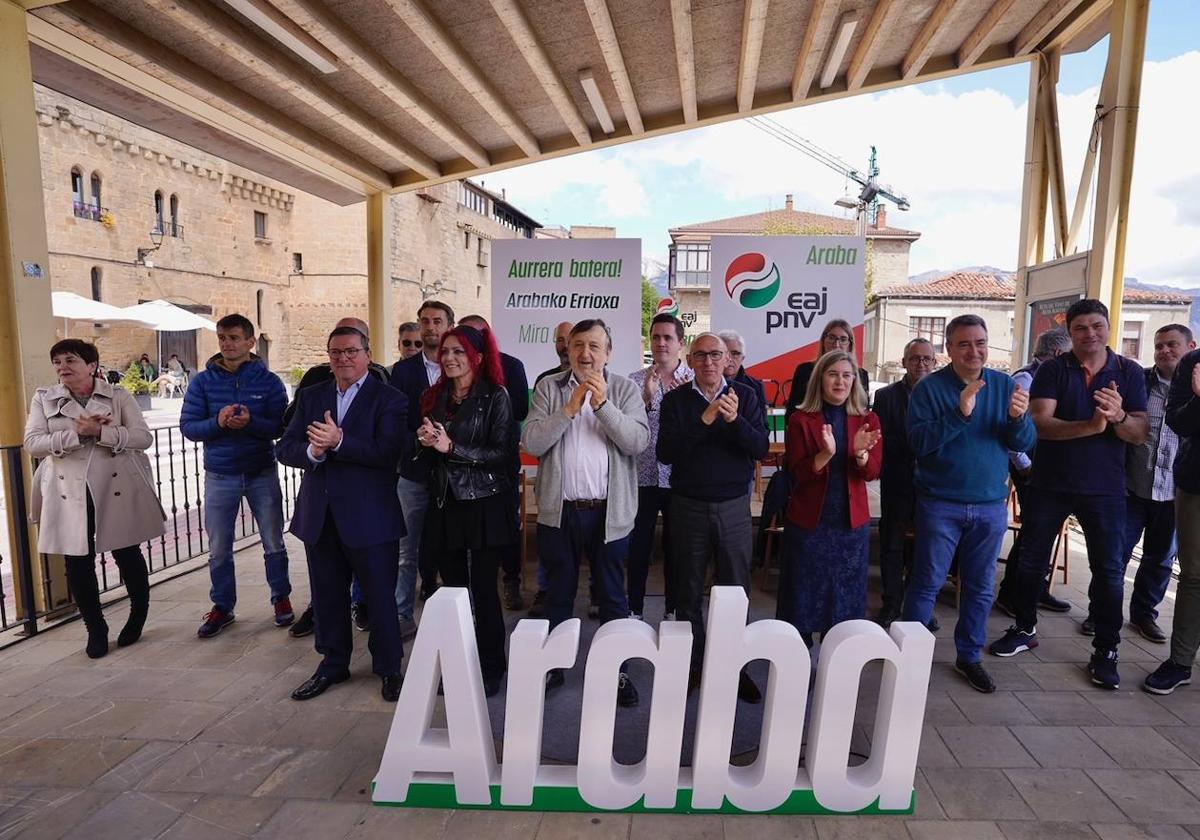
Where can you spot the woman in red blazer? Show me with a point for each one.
(833, 449)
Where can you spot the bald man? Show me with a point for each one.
(561, 335)
(315, 375)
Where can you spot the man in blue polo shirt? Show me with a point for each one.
(1088, 405)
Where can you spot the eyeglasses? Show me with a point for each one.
(839, 340)
(710, 356)
(405, 342)
(923, 360)
(349, 353)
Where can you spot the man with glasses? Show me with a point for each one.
(347, 436)
(897, 496)
(410, 340)
(317, 375)
(711, 434)
(735, 369)
(235, 407)
(837, 335)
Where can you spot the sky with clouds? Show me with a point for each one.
(955, 148)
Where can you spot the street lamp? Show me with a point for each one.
(156, 237)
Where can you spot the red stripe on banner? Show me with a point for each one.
(781, 368)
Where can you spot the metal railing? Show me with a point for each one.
(177, 467)
(83, 210)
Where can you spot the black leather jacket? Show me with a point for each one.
(479, 462)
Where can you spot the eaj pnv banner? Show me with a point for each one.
(539, 283)
(779, 291)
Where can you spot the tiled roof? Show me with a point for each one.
(961, 284)
(964, 285)
(786, 221)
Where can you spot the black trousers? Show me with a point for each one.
(510, 555)
(702, 532)
(476, 570)
(897, 506)
(331, 565)
(651, 501)
(81, 574)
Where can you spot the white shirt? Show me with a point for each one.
(696, 387)
(433, 370)
(344, 399)
(585, 455)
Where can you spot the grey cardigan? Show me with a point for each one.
(623, 419)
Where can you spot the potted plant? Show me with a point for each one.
(136, 384)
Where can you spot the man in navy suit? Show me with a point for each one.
(412, 377)
(517, 385)
(347, 435)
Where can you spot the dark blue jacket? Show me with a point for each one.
(357, 484)
(713, 463)
(235, 451)
(408, 377)
(1183, 416)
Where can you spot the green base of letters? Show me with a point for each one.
(441, 795)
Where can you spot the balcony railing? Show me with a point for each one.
(83, 210)
(177, 465)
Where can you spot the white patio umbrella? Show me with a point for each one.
(163, 316)
(72, 307)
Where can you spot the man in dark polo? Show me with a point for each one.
(1088, 406)
(711, 433)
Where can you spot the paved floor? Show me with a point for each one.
(180, 738)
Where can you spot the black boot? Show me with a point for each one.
(81, 577)
(137, 584)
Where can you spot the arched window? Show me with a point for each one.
(258, 301)
(77, 200)
(174, 215)
(96, 192)
(95, 282)
(158, 210)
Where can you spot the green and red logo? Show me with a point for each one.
(752, 280)
(668, 306)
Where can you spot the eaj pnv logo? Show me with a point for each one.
(752, 280)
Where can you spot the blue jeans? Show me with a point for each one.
(223, 496)
(1103, 522)
(414, 501)
(973, 532)
(1157, 521)
(581, 532)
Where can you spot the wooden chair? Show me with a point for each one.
(1060, 556)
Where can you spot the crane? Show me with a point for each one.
(867, 203)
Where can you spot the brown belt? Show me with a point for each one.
(585, 504)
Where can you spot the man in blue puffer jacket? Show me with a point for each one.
(235, 408)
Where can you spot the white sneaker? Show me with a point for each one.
(669, 616)
(635, 616)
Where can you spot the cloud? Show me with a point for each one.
(958, 157)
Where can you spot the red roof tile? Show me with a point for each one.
(965, 285)
(786, 221)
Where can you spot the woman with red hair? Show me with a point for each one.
(465, 431)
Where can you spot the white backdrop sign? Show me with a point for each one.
(779, 291)
(539, 283)
(456, 766)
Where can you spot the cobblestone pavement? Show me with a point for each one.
(178, 738)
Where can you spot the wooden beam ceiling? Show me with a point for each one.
(981, 36)
(606, 34)
(685, 57)
(521, 31)
(360, 58)
(922, 48)
(754, 26)
(1042, 24)
(437, 39)
(812, 46)
(863, 61)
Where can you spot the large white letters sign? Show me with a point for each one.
(456, 766)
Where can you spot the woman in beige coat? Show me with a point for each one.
(92, 491)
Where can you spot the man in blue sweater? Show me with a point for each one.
(710, 433)
(1088, 405)
(235, 408)
(962, 422)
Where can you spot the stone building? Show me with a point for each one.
(906, 310)
(232, 240)
(691, 248)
